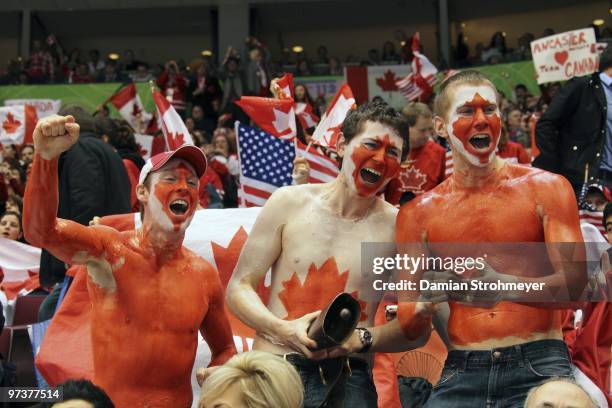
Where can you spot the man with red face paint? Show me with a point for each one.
(150, 295)
(310, 236)
(497, 351)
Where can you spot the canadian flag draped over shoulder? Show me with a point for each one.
(17, 124)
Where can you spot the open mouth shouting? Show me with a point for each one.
(179, 207)
(369, 175)
(480, 142)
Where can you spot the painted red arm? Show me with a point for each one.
(67, 240)
(216, 328)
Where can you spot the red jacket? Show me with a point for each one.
(514, 153)
(426, 165)
(175, 91)
(210, 177)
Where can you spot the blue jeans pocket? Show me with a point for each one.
(550, 366)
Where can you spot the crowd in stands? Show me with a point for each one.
(49, 62)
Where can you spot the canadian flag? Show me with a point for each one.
(275, 116)
(286, 85)
(128, 103)
(17, 124)
(174, 128)
(419, 83)
(305, 115)
(326, 133)
(19, 265)
(303, 110)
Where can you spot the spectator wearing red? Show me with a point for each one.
(211, 191)
(174, 85)
(425, 164)
(511, 151)
(40, 64)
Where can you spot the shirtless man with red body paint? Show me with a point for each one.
(496, 354)
(150, 295)
(311, 235)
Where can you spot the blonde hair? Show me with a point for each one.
(413, 110)
(263, 380)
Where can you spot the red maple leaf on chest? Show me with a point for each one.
(10, 124)
(412, 179)
(319, 288)
(387, 81)
(175, 140)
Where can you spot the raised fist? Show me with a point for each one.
(54, 135)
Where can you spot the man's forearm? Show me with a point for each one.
(41, 201)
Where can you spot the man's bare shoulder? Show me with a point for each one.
(294, 196)
(200, 264)
(540, 180)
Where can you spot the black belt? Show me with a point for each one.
(301, 360)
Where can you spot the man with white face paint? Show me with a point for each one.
(310, 236)
(499, 350)
(150, 295)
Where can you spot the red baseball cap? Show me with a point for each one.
(188, 152)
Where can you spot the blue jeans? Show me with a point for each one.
(499, 377)
(355, 384)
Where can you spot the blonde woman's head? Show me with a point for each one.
(253, 380)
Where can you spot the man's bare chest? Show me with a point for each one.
(484, 217)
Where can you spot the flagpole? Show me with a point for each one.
(308, 147)
(242, 201)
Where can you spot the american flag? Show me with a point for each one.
(266, 163)
(586, 211)
(409, 88)
(592, 217)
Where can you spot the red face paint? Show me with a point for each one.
(375, 159)
(477, 117)
(175, 186)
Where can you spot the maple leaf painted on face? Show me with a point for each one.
(412, 179)
(320, 287)
(175, 140)
(387, 81)
(10, 124)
